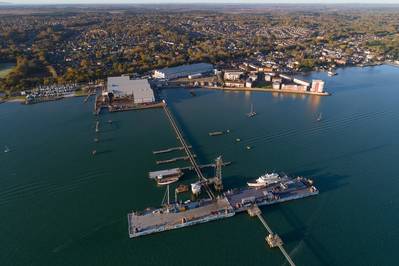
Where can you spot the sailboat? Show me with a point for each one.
(320, 117)
(6, 149)
(252, 113)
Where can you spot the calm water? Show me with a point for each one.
(61, 206)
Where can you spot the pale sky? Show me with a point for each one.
(197, 1)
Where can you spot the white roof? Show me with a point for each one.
(125, 86)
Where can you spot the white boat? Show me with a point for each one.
(167, 181)
(252, 113)
(320, 117)
(331, 73)
(6, 149)
(265, 180)
(196, 188)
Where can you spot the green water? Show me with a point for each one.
(61, 206)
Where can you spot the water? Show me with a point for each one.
(61, 206)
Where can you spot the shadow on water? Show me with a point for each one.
(300, 233)
(325, 181)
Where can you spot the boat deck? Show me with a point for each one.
(287, 189)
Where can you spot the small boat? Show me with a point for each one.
(331, 73)
(167, 181)
(97, 126)
(252, 113)
(96, 140)
(248, 147)
(94, 152)
(265, 180)
(320, 117)
(110, 121)
(182, 188)
(238, 139)
(196, 188)
(6, 149)
(228, 131)
(216, 133)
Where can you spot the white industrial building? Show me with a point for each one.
(232, 74)
(183, 71)
(123, 86)
(317, 86)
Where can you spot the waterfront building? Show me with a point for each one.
(183, 71)
(123, 86)
(235, 84)
(302, 82)
(276, 85)
(317, 86)
(233, 74)
(248, 83)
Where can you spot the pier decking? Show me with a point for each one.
(235, 201)
(177, 216)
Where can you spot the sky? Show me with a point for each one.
(196, 1)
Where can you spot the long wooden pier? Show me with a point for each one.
(187, 150)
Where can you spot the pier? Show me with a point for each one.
(173, 160)
(176, 214)
(170, 150)
(186, 148)
(272, 239)
(230, 203)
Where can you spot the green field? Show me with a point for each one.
(6, 68)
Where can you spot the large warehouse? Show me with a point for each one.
(123, 86)
(183, 71)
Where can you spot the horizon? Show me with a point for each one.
(189, 2)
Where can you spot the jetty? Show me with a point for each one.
(173, 160)
(186, 148)
(168, 217)
(178, 214)
(170, 150)
(272, 239)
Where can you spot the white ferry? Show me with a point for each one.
(265, 180)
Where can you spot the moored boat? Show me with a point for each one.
(331, 73)
(182, 188)
(216, 133)
(167, 181)
(265, 180)
(252, 113)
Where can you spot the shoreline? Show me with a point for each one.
(268, 90)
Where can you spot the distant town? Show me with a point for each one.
(47, 51)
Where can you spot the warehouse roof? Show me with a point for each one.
(125, 86)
